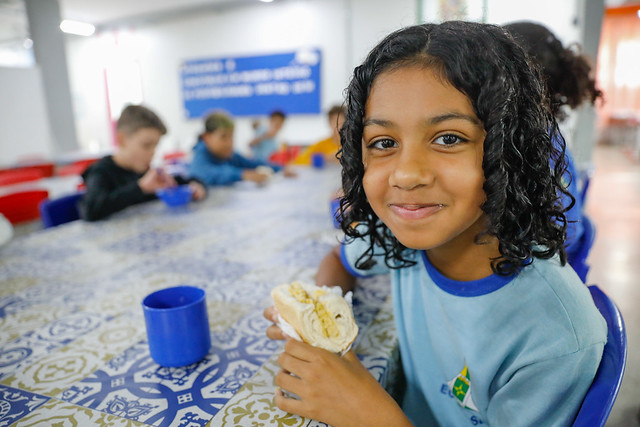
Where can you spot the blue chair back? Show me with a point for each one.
(578, 258)
(600, 397)
(59, 211)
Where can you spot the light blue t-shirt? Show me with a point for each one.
(500, 351)
(265, 148)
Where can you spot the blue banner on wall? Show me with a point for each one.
(253, 85)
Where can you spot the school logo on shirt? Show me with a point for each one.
(460, 387)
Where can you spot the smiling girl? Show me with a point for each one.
(446, 151)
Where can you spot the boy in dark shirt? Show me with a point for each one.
(124, 179)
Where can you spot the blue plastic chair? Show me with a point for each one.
(578, 258)
(61, 210)
(600, 397)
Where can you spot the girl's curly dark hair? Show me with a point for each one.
(566, 71)
(522, 189)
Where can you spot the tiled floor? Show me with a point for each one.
(614, 205)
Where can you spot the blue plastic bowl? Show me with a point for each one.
(175, 196)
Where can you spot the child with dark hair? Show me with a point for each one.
(124, 179)
(569, 84)
(214, 161)
(264, 144)
(447, 186)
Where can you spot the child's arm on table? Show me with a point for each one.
(103, 198)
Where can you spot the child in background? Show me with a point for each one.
(214, 161)
(124, 179)
(445, 155)
(569, 85)
(265, 144)
(328, 147)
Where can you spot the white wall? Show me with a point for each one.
(343, 29)
(557, 15)
(372, 20)
(88, 93)
(24, 123)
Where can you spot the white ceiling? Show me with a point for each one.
(14, 27)
(100, 12)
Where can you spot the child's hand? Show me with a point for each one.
(336, 390)
(199, 192)
(154, 180)
(289, 172)
(255, 176)
(273, 332)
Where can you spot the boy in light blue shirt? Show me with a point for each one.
(265, 144)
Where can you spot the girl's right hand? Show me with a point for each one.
(274, 332)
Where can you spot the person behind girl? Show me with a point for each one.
(567, 76)
(447, 186)
(214, 161)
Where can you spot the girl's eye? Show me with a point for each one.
(449, 139)
(383, 144)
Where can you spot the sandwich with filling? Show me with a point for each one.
(321, 317)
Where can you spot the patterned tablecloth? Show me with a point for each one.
(73, 346)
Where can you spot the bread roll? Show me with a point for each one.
(321, 318)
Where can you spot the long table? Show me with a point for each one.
(73, 347)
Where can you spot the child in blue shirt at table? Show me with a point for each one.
(265, 144)
(447, 186)
(215, 163)
(126, 178)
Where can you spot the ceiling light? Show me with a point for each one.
(266, 1)
(76, 27)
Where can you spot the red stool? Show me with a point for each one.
(22, 206)
(15, 176)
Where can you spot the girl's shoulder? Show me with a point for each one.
(558, 291)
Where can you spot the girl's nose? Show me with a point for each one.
(412, 170)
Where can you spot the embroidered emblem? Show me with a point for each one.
(460, 387)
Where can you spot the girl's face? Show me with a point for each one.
(422, 151)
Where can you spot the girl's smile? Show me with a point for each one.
(414, 211)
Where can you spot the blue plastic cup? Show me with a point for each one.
(177, 325)
(317, 160)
